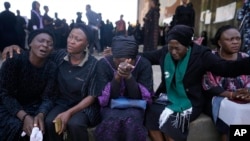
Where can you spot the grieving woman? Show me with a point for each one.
(128, 75)
(26, 88)
(229, 93)
(183, 64)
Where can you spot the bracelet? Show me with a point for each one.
(231, 95)
(24, 117)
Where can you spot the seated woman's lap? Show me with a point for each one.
(9, 125)
(153, 113)
(152, 123)
(78, 119)
(222, 127)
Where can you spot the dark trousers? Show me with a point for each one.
(76, 126)
(95, 43)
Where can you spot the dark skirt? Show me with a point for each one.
(152, 123)
(11, 126)
(222, 127)
(121, 125)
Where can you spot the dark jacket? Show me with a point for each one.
(201, 60)
(34, 20)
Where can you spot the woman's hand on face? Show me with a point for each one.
(64, 117)
(124, 69)
(39, 121)
(9, 51)
(28, 124)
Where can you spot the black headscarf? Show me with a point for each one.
(124, 47)
(182, 34)
(86, 29)
(34, 33)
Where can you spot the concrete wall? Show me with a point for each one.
(212, 5)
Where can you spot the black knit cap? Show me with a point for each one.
(34, 33)
(124, 47)
(182, 34)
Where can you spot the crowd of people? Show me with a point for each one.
(15, 28)
(61, 89)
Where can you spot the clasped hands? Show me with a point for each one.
(242, 94)
(30, 123)
(124, 69)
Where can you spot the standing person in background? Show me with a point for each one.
(79, 17)
(138, 33)
(65, 32)
(151, 26)
(102, 33)
(8, 21)
(47, 20)
(94, 22)
(36, 20)
(20, 29)
(130, 31)
(72, 24)
(120, 27)
(108, 33)
(58, 22)
(204, 38)
(244, 18)
(225, 90)
(58, 30)
(27, 88)
(184, 14)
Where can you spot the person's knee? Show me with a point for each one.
(49, 121)
(74, 124)
(156, 135)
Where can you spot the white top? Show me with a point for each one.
(234, 113)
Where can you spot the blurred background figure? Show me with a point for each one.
(244, 18)
(35, 21)
(184, 14)
(120, 27)
(94, 22)
(20, 29)
(47, 20)
(8, 34)
(151, 26)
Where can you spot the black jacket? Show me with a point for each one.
(201, 60)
